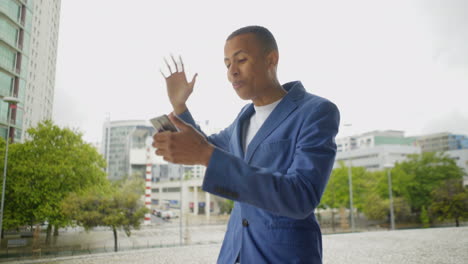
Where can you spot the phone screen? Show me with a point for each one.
(163, 123)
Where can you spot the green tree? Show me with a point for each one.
(450, 201)
(118, 207)
(336, 191)
(376, 208)
(49, 165)
(225, 205)
(417, 178)
(402, 209)
(425, 220)
(336, 194)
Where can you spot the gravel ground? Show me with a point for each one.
(434, 245)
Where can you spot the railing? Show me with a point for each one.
(30, 253)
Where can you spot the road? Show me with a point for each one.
(433, 245)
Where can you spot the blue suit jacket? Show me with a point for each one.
(278, 182)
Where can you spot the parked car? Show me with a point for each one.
(167, 214)
(157, 212)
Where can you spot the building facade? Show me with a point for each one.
(375, 150)
(15, 34)
(440, 142)
(40, 88)
(28, 53)
(116, 145)
(377, 157)
(372, 139)
(167, 195)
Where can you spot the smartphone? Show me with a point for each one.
(163, 123)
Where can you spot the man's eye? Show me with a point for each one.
(227, 66)
(242, 60)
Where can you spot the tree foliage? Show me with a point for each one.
(225, 205)
(118, 207)
(417, 178)
(450, 201)
(414, 185)
(49, 165)
(336, 194)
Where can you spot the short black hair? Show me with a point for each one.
(262, 34)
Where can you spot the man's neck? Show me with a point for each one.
(275, 93)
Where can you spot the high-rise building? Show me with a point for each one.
(116, 145)
(15, 33)
(28, 52)
(39, 94)
(142, 154)
(442, 142)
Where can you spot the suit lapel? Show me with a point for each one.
(289, 103)
(239, 128)
(279, 114)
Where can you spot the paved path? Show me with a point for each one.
(435, 245)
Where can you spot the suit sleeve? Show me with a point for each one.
(298, 192)
(220, 140)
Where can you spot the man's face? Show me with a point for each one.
(247, 67)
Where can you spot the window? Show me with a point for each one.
(7, 57)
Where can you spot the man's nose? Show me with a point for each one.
(233, 71)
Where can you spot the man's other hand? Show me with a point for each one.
(178, 88)
(187, 146)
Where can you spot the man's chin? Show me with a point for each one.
(243, 96)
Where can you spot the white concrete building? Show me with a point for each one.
(442, 142)
(116, 146)
(166, 195)
(377, 157)
(40, 87)
(372, 139)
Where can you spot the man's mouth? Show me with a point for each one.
(237, 84)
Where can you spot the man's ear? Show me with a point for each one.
(272, 59)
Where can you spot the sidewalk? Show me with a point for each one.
(434, 245)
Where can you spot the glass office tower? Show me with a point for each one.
(15, 28)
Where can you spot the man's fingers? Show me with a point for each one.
(168, 66)
(181, 63)
(175, 63)
(161, 137)
(177, 122)
(158, 144)
(193, 79)
(162, 73)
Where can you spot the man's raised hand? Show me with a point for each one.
(178, 88)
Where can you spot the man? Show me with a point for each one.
(274, 160)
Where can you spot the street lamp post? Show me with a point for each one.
(390, 195)
(181, 239)
(12, 101)
(350, 182)
(351, 207)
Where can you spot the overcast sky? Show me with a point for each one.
(399, 65)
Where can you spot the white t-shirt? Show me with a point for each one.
(256, 121)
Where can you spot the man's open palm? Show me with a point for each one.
(178, 88)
